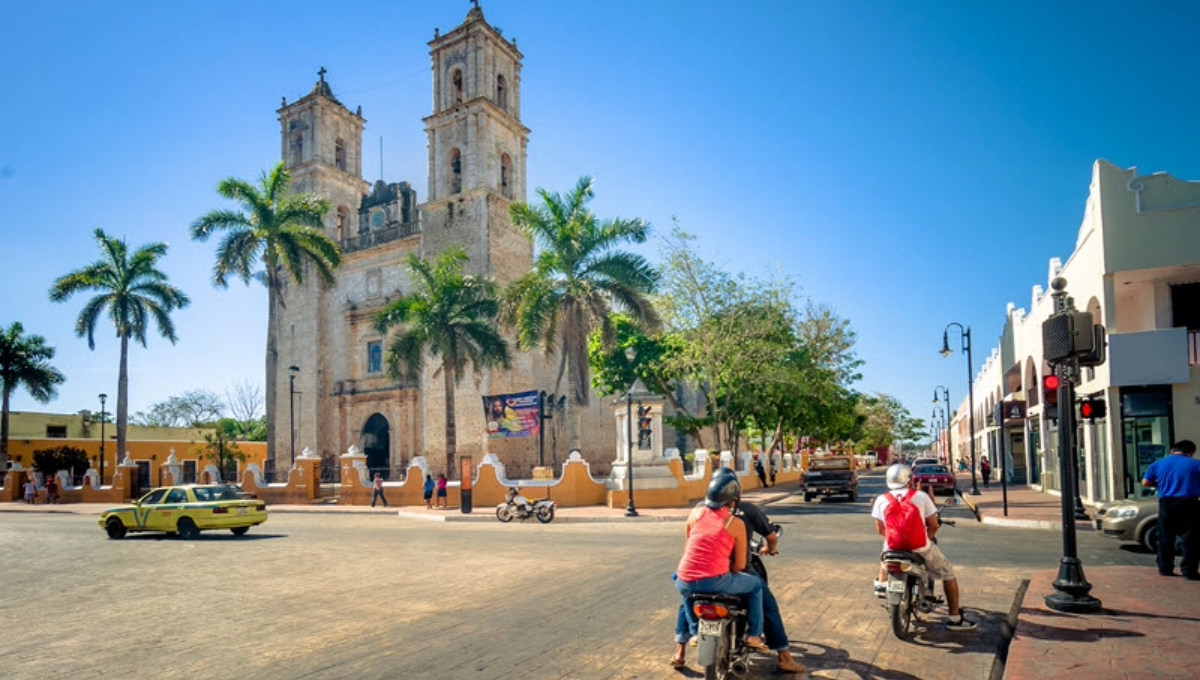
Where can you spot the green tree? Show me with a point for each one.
(579, 276)
(133, 291)
(69, 458)
(219, 447)
(885, 421)
(452, 316)
(24, 362)
(276, 235)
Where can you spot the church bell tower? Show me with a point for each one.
(477, 147)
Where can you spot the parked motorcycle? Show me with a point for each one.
(721, 636)
(909, 587)
(516, 506)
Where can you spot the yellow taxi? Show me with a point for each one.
(186, 511)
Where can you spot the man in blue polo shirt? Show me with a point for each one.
(1178, 480)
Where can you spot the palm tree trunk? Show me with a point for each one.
(122, 400)
(451, 432)
(4, 432)
(272, 368)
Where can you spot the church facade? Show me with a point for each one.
(331, 382)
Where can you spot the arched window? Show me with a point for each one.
(505, 176)
(339, 155)
(457, 79)
(501, 93)
(455, 171)
(343, 217)
(298, 149)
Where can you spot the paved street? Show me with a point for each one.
(330, 596)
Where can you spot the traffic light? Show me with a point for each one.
(1093, 409)
(1050, 385)
(643, 427)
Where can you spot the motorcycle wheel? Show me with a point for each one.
(504, 514)
(902, 613)
(545, 514)
(719, 670)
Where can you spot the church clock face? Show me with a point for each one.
(377, 219)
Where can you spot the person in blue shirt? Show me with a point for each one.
(1177, 478)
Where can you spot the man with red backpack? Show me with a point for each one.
(907, 519)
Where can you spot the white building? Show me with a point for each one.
(1136, 268)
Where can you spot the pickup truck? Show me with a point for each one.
(830, 476)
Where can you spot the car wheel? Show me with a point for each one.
(853, 496)
(1150, 538)
(187, 529)
(239, 531)
(115, 529)
(808, 498)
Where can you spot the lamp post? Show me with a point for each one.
(946, 352)
(630, 509)
(292, 372)
(103, 398)
(949, 417)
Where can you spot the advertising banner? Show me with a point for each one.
(511, 415)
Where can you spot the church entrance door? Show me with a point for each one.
(376, 444)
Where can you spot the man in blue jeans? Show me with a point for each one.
(1177, 478)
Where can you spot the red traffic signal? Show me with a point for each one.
(1050, 385)
(1092, 409)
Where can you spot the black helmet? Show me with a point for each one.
(723, 488)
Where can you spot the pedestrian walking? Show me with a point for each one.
(428, 492)
(377, 492)
(30, 492)
(759, 470)
(441, 491)
(985, 469)
(51, 492)
(1177, 478)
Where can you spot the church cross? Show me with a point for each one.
(476, 3)
(322, 73)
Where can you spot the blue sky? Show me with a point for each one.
(910, 164)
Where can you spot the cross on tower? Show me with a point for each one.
(322, 73)
(476, 3)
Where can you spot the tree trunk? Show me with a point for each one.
(4, 432)
(272, 368)
(122, 401)
(451, 433)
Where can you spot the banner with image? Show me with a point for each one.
(511, 415)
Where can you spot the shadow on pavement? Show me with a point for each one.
(1039, 631)
(205, 538)
(929, 631)
(818, 658)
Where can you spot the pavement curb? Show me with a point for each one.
(1007, 631)
(558, 519)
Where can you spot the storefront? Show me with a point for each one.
(1147, 429)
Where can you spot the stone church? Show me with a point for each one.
(331, 364)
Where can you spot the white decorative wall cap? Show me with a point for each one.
(419, 461)
(489, 459)
(671, 454)
(171, 459)
(353, 452)
(16, 467)
(575, 455)
(308, 453)
(127, 461)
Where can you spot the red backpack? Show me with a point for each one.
(903, 525)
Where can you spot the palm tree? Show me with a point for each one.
(450, 314)
(134, 291)
(24, 360)
(579, 276)
(278, 231)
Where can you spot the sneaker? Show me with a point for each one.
(880, 589)
(962, 624)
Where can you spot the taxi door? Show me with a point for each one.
(167, 514)
(146, 507)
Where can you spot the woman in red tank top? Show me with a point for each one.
(715, 558)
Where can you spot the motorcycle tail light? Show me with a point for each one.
(710, 611)
(894, 568)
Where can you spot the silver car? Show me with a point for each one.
(1133, 520)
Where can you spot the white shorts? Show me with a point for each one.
(935, 562)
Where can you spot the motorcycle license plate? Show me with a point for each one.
(710, 627)
(895, 586)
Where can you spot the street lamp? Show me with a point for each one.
(103, 398)
(292, 372)
(949, 418)
(946, 352)
(630, 509)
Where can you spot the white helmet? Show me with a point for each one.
(898, 476)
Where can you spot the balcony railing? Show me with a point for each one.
(393, 232)
(1193, 340)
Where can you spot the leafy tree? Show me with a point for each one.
(219, 447)
(579, 276)
(452, 316)
(133, 291)
(50, 461)
(194, 408)
(886, 421)
(275, 236)
(24, 362)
